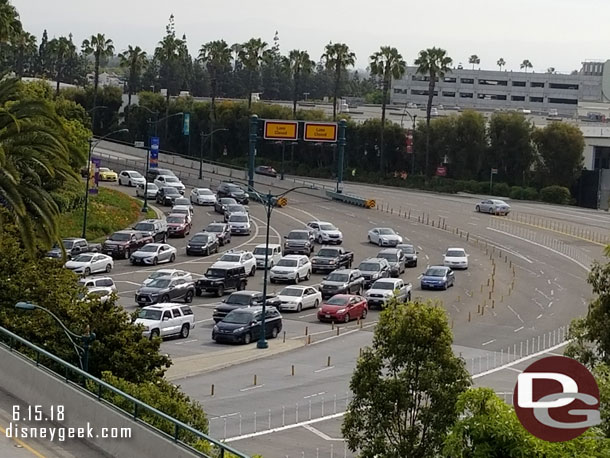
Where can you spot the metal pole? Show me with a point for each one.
(252, 138)
(84, 233)
(413, 148)
(341, 142)
(283, 151)
(145, 206)
(201, 155)
(262, 342)
(491, 180)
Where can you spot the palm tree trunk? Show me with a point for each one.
(381, 140)
(57, 82)
(249, 89)
(96, 80)
(295, 96)
(428, 111)
(336, 92)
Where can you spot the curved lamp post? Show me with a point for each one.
(92, 145)
(203, 138)
(85, 340)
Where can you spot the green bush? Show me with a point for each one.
(501, 189)
(530, 194)
(516, 193)
(461, 185)
(482, 187)
(70, 196)
(555, 195)
(471, 186)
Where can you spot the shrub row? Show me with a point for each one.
(70, 196)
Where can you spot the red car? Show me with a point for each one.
(178, 224)
(343, 307)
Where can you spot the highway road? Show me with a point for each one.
(535, 261)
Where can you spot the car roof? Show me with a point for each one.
(271, 245)
(459, 249)
(246, 292)
(256, 308)
(374, 259)
(299, 230)
(389, 250)
(294, 256)
(177, 214)
(439, 267)
(168, 270)
(164, 306)
(86, 279)
(170, 187)
(127, 231)
(344, 271)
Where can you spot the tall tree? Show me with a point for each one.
(43, 65)
(216, 56)
(298, 63)
(435, 63)
(101, 48)
(59, 50)
(406, 385)
(387, 63)
(526, 64)
(252, 54)
(501, 63)
(337, 57)
(25, 54)
(10, 25)
(474, 60)
(560, 148)
(135, 60)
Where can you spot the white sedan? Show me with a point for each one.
(163, 181)
(292, 267)
(131, 178)
(150, 190)
(456, 258)
(297, 298)
(325, 232)
(172, 273)
(154, 253)
(203, 196)
(494, 206)
(89, 263)
(384, 236)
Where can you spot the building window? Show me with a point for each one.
(519, 83)
(466, 95)
(448, 94)
(398, 90)
(420, 78)
(467, 80)
(564, 101)
(517, 98)
(490, 97)
(450, 79)
(422, 92)
(493, 82)
(537, 99)
(573, 87)
(537, 84)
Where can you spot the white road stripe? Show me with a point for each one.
(320, 434)
(488, 342)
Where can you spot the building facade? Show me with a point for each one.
(492, 90)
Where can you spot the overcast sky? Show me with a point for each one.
(550, 33)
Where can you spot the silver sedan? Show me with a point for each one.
(154, 253)
(493, 206)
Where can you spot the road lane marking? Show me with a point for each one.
(305, 316)
(550, 303)
(503, 247)
(518, 329)
(488, 342)
(185, 341)
(322, 435)
(252, 387)
(543, 295)
(513, 369)
(539, 316)
(314, 395)
(324, 369)
(203, 321)
(516, 314)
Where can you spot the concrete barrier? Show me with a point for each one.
(351, 199)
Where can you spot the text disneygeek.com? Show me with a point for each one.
(61, 433)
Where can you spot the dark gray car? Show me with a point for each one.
(395, 258)
(298, 242)
(342, 281)
(165, 289)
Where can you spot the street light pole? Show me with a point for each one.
(81, 352)
(91, 147)
(203, 137)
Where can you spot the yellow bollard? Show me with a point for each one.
(308, 340)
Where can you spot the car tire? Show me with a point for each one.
(198, 292)
(241, 286)
(129, 184)
(346, 318)
(154, 333)
(364, 313)
(409, 297)
(164, 298)
(308, 275)
(320, 241)
(87, 271)
(316, 304)
(164, 239)
(172, 258)
(207, 251)
(369, 239)
(185, 331)
(445, 286)
(272, 280)
(491, 211)
(299, 308)
(155, 261)
(189, 297)
(127, 254)
(296, 279)
(247, 338)
(477, 209)
(378, 242)
(220, 291)
(252, 271)
(274, 332)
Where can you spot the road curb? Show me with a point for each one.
(189, 366)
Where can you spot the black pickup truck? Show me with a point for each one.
(241, 299)
(331, 258)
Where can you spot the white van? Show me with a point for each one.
(275, 254)
(97, 282)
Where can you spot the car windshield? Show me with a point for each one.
(200, 238)
(150, 314)
(338, 277)
(337, 300)
(261, 250)
(145, 227)
(386, 231)
(300, 235)
(215, 273)
(294, 292)
(369, 266)
(408, 249)
(327, 227)
(104, 169)
(239, 299)
(135, 175)
(234, 189)
(383, 285)
(238, 219)
(171, 180)
(215, 228)
(172, 191)
(166, 172)
(455, 254)
(230, 258)
(68, 244)
(158, 274)
(287, 263)
(151, 187)
(327, 253)
(238, 317)
(435, 273)
(160, 283)
(392, 257)
(227, 201)
(182, 201)
(498, 202)
(120, 237)
(150, 248)
(175, 219)
(180, 209)
(204, 192)
(234, 208)
(83, 258)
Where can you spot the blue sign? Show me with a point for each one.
(186, 125)
(154, 152)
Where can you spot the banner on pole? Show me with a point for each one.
(154, 152)
(186, 124)
(94, 177)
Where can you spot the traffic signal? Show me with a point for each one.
(409, 141)
(282, 202)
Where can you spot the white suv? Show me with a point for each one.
(168, 319)
(237, 258)
(163, 181)
(325, 232)
(275, 254)
(292, 267)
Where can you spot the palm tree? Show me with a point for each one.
(25, 44)
(386, 64)
(216, 55)
(10, 25)
(474, 60)
(526, 64)
(435, 63)
(337, 57)
(33, 150)
(550, 70)
(101, 48)
(235, 50)
(252, 54)
(501, 63)
(60, 50)
(298, 63)
(135, 60)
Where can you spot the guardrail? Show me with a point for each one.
(351, 199)
(96, 388)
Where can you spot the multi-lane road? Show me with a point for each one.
(525, 283)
